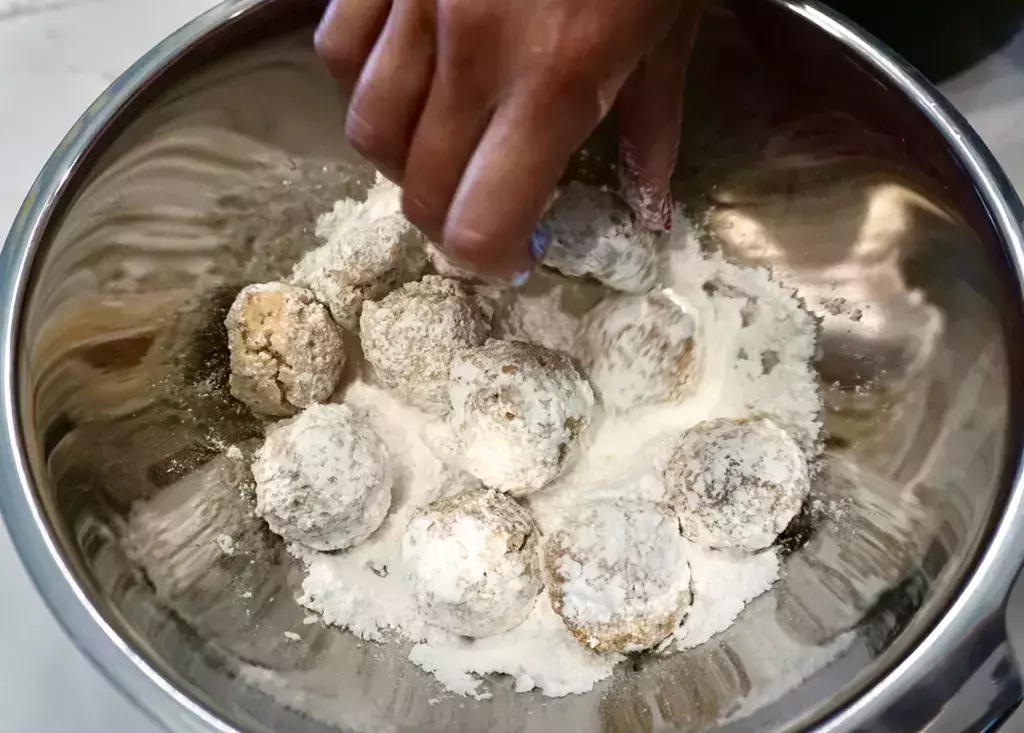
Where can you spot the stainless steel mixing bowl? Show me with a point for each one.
(808, 148)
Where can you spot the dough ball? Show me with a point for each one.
(286, 352)
(736, 483)
(517, 413)
(473, 564)
(618, 575)
(370, 249)
(323, 479)
(411, 337)
(641, 350)
(593, 235)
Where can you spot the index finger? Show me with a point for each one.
(492, 221)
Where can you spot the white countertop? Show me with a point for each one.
(56, 56)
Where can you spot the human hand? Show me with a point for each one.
(475, 106)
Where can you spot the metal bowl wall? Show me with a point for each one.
(806, 149)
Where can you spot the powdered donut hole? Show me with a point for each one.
(323, 479)
(369, 250)
(640, 350)
(517, 413)
(593, 235)
(618, 575)
(736, 484)
(411, 337)
(286, 352)
(473, 564)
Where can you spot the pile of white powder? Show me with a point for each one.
(757, 344)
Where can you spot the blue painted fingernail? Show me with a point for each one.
(540, 241)
(520, 279)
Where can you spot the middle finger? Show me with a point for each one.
(393, 86)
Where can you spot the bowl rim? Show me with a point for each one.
(984, 590)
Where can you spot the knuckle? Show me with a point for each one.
(466, 22)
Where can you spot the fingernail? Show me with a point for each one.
(520, 279)
(540, 241)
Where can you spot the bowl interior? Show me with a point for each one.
(794, 157)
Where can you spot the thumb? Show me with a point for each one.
(650, 113)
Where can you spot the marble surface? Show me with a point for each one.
(56, 56)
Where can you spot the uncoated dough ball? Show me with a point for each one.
(640, 350)
(286, 352)
(517, 413)
(412, 336)
(473, 564)
(618, 575)
(736, 483)
(370, 249)
(593, 235)
(323, 479)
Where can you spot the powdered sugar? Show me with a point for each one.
(724, 585)
(741, 323)
(539, 654)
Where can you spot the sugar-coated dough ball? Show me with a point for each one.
(517, 413)
(736, 484)
(411, 337)
(641, 350)
(473, 564)
(369, 250)
(323, 479)
(593, 235)
(618, 575)
(286, 352)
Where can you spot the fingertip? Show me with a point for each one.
(489, 254)
(540, 243)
